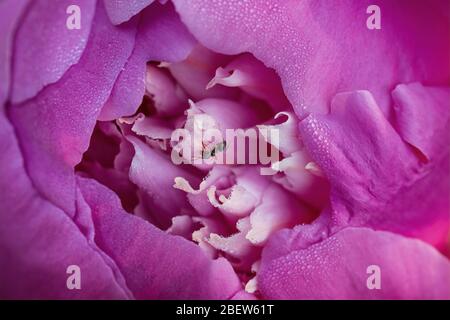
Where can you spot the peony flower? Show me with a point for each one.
(224, 150)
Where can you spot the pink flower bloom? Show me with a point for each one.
(102, 166)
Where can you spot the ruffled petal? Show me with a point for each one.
(340, 268)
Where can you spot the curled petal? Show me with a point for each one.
(153, 128)
(253, 77)
(145, 171)
(194, 73)
(169, 99)
(277, 210)
(228, 114)
(160, 36)
(239, 203)
(376, 179)
(303, 178)
(219, 177)
(237, 245)
(290, 140)
(422, 117)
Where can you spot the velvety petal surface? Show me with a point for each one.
(161, 37)
(319, 48)
(45, 48)
(123, 10)
(10, 13)
(145, 171)
(156, 265)
(54, 128)
(38, 240)
(376, 178)
(337, 268)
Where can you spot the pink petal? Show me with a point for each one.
(154, 128)
(120, 11)
(194, 73)
(287, 127)
(298, 178)
(155, 265)
(161, 37)
(277, 210)
(219, 177)
(423, 115)
(376, 178)
(168, 98)
(336, 268)
(39, 241)
(10, 13)
(237, 245)
(145, 172)
(43, 54)
(319, 48)
(243, 295)
(254, 78)
(54, 128)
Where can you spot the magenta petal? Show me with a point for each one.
(120, 11)
(194, 73)
(336, 268)
(162, 37)
(253, 77)
(376, 179)
(146, 172)
(156, 265)
(43, 54)
(38, 240)
(10, 12)
(319, 48)
(54, 128)
(422, 116)
(169, 99)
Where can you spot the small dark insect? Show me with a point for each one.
(218, 148)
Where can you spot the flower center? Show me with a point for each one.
(201, 185)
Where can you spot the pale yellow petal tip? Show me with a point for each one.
(313, 168)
